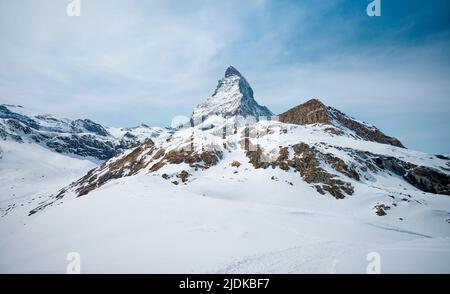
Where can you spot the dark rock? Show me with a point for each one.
(183, 175)
(429, 180)
(380, 209)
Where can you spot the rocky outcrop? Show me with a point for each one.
(429, 180)
(310, 112)
(314, 111)
(198, 160)
(125, 166)
(423, 178)
(380, 209)
(307, 161)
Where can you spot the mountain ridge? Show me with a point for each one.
(82, 137)
(314, 111)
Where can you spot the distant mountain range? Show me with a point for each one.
(81, 137)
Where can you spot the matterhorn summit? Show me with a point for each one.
(232, 97)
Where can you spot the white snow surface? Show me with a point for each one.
(27, 169)
(144, 224)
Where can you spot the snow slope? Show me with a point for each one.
(28, 168)
(144, 224)
(30, 174)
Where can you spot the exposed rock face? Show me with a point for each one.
(364, 131)
(233, 96)
(423, 178)
(307, 161)
(83, 145)
(199, 160)
(315, 111)
(429, 180)
(310, 162)
(310, 112)
(123, 167)
(82, 125)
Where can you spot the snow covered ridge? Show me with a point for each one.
(81, 137)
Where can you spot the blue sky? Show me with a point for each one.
(126, 62)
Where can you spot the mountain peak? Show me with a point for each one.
(314, 111)
(233, 96)
(232, 71)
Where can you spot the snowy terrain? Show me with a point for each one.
(232, 196)
(26, 168)
(144, 224)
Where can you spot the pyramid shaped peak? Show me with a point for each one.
(232, 71)
(233, 97)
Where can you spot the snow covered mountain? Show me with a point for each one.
(233, 96)
(314, 191)
(81, 137)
